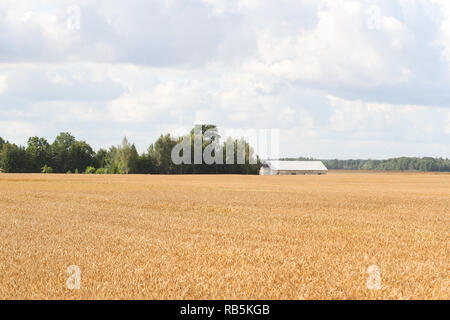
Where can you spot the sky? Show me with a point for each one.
(338, 79)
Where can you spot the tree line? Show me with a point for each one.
(393, 164)
(69, 155)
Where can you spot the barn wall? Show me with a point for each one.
(300, 172)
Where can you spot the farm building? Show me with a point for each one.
(292, 167)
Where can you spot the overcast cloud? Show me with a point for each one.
(341, 79)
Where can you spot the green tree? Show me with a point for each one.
(2, 142)
(112, 160)
(81, 156)
(90, 170)
(161, 152)
(127, 157)
(46, 169)
(145, 164)
(133, 161)
(101, 171)
(13, 158)
(61, 152)
(100, 158)
(38, 153)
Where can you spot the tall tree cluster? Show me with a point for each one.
(69, 155)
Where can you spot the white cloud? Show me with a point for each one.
(377, 121)
(340, 48)
(2, 83)
(444, 29)
(447, 127)
(18, 131)
(157, 33)
(57, 82)
(341, 76)
(166, 100)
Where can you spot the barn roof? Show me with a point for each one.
(296, 165)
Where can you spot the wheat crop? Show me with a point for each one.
(226, 237)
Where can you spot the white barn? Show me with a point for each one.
(292, 167)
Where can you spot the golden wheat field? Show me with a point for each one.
(225, 237)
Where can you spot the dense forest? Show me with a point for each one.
(394, 164)
(68, 155)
